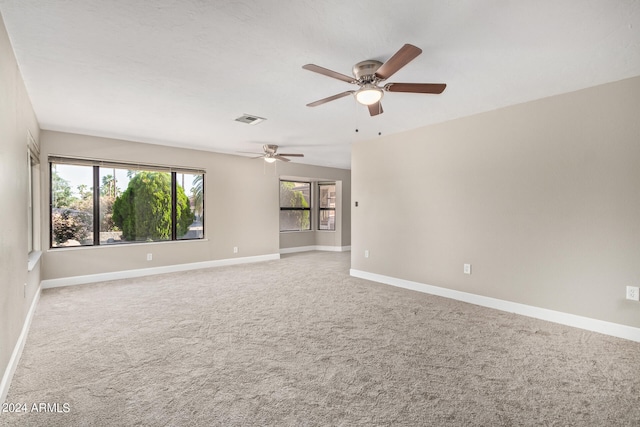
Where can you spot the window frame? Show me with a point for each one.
(97, 165)
(33, 187)
(293, 208)
(326, 209)
(31, 220)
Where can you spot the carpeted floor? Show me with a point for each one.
(300, 342)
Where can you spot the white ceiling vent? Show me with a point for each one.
(250, 119)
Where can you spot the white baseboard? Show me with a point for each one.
(315, 248)
(127, 274)
(17, 350)
(589, 324)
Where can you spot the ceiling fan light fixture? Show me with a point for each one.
(369, 94)
(269, 159)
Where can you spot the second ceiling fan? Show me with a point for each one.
(370, 73)
(271, 154)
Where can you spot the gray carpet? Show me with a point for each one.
(300, 342)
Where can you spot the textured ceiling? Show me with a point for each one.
(178, 72)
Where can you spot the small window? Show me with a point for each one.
(32, 164)
(33, 188)
(190, 187)
(295, 206)
(327, 206)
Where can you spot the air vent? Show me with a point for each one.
(250, 119)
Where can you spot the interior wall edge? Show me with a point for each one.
(17, 350)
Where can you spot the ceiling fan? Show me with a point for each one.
(271, 154)
(370, 73)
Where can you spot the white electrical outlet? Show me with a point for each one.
(149, 257)
(467, 269)
(366, 253)
(235, 249)
(633, 293)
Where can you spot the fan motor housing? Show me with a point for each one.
(366, 68)
(270, 148)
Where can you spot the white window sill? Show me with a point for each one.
(34, 257)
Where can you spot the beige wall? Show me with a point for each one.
(16, 119)
(541, 198)
(241, 207)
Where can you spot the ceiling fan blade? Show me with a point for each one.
(292, 155)
(279, 157)
(330, 98)
(435, 88)
(329, 73)
(401, 58)
(375, 109)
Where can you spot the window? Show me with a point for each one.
(71, 205)
(32, 165)
(192, 186)
(103, 203)
(30, 203)
(295, 209)
(327, 206)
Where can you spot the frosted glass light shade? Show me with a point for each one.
(368, 95)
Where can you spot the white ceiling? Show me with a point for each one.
(178, 72)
